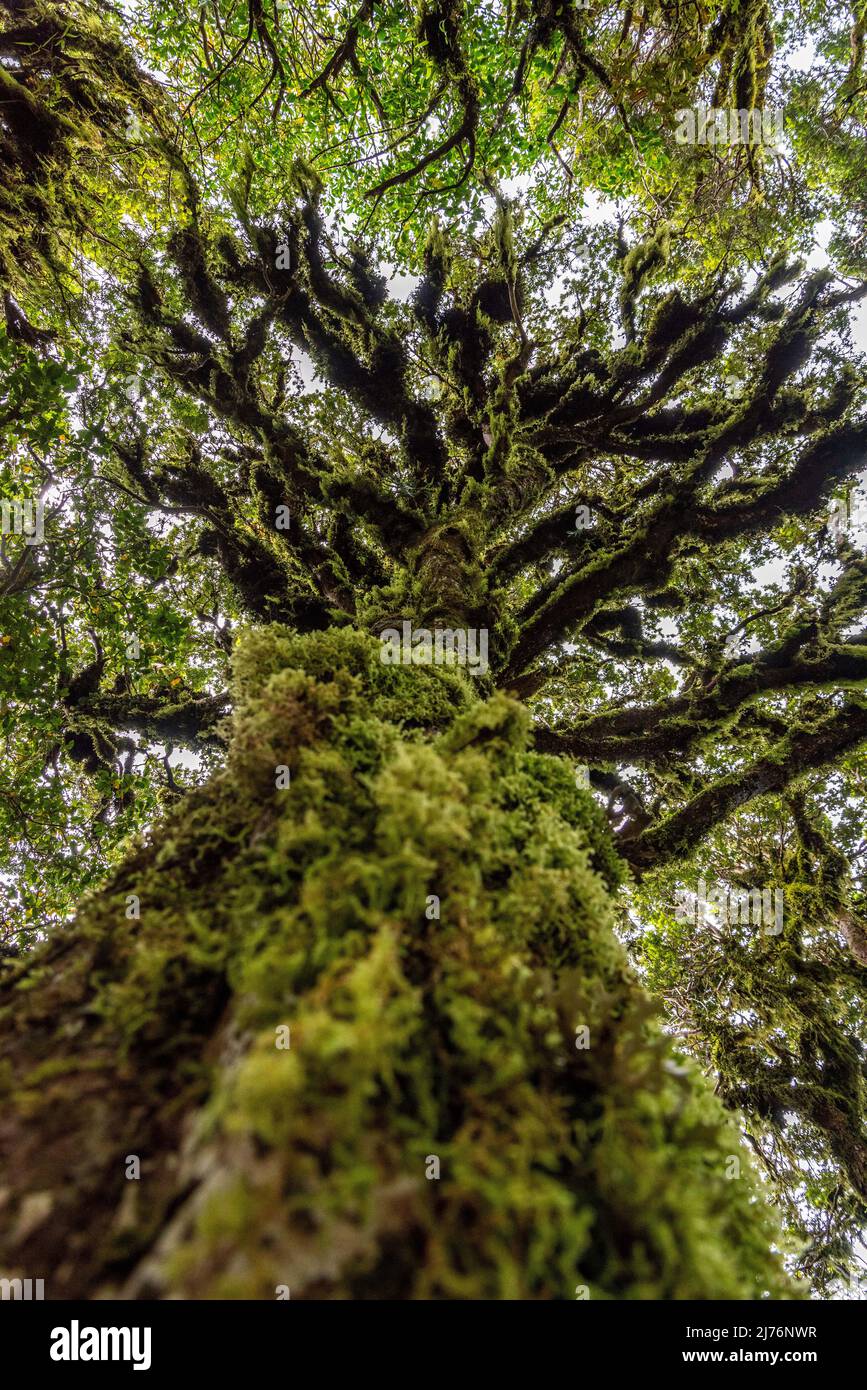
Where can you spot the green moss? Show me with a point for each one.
(415, 1033)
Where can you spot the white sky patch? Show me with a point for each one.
(400, 286)
(180, 757)
(802, 58)
(818, 257)
(514, 187)
(598, 209)
(771, 572)
(307, 370)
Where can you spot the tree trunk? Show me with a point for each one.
(369, 1034)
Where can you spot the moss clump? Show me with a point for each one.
(426, 909)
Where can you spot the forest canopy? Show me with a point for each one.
(322, 320)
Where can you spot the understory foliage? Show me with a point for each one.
(320, 323)
(779, 1021)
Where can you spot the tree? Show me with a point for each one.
(357, 1003)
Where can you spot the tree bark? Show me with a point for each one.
(369, 1034)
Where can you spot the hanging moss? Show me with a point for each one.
(68, 88)
(429, 913)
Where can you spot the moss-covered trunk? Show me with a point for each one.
(368, 1033)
